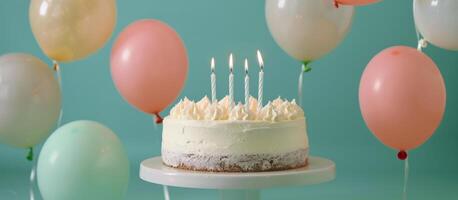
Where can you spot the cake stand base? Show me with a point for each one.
(240, 186)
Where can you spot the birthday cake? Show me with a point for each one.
(227, 137)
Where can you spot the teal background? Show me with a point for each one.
(365, 168)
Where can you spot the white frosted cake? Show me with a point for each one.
(219, 137)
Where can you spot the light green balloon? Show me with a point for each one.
(83, 160)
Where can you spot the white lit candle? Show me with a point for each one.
(247, 86)
(261, 78)
(231, 80)
(213, 80)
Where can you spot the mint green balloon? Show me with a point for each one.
(83, 160)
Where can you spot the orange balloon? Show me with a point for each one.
(402, 97)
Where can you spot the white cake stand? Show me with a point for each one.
(237, 186)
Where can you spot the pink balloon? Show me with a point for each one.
(149, 65)
(356, 2)
(402, 97)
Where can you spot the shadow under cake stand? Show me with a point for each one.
(237, 186)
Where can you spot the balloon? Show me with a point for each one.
(307, 30)
(356, 2)
(149, 65)
(436, 20)
(29, 100)
(83, 160)
(68, 30)
(402, 97)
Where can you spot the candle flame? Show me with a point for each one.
(231, 62)
(212, 64)
(246, 66)
(260, 60)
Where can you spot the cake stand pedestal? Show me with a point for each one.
(237, 186)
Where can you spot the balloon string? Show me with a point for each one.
(299, 91)
(59, 80)
(32, 174)
(422, 43)
(406, 177)
(166, 193)
(305, 68)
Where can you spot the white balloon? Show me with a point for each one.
(307, 29)
(29, 100)
(437, 21)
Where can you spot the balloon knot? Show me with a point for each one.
(402, 155)
(306, 67)
(56, 66)
(422, 43)
(30, 154)
(158, 118)
(336, 4)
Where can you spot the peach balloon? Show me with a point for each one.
(402, 97)
(149, 65)
(69, 30)
(356, 2)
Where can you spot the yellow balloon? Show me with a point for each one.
(68, 30)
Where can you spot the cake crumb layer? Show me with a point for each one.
(236, 163)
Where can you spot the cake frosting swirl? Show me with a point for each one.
(277, 110)
(239, 113)
(268, 113)
(214, 112)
